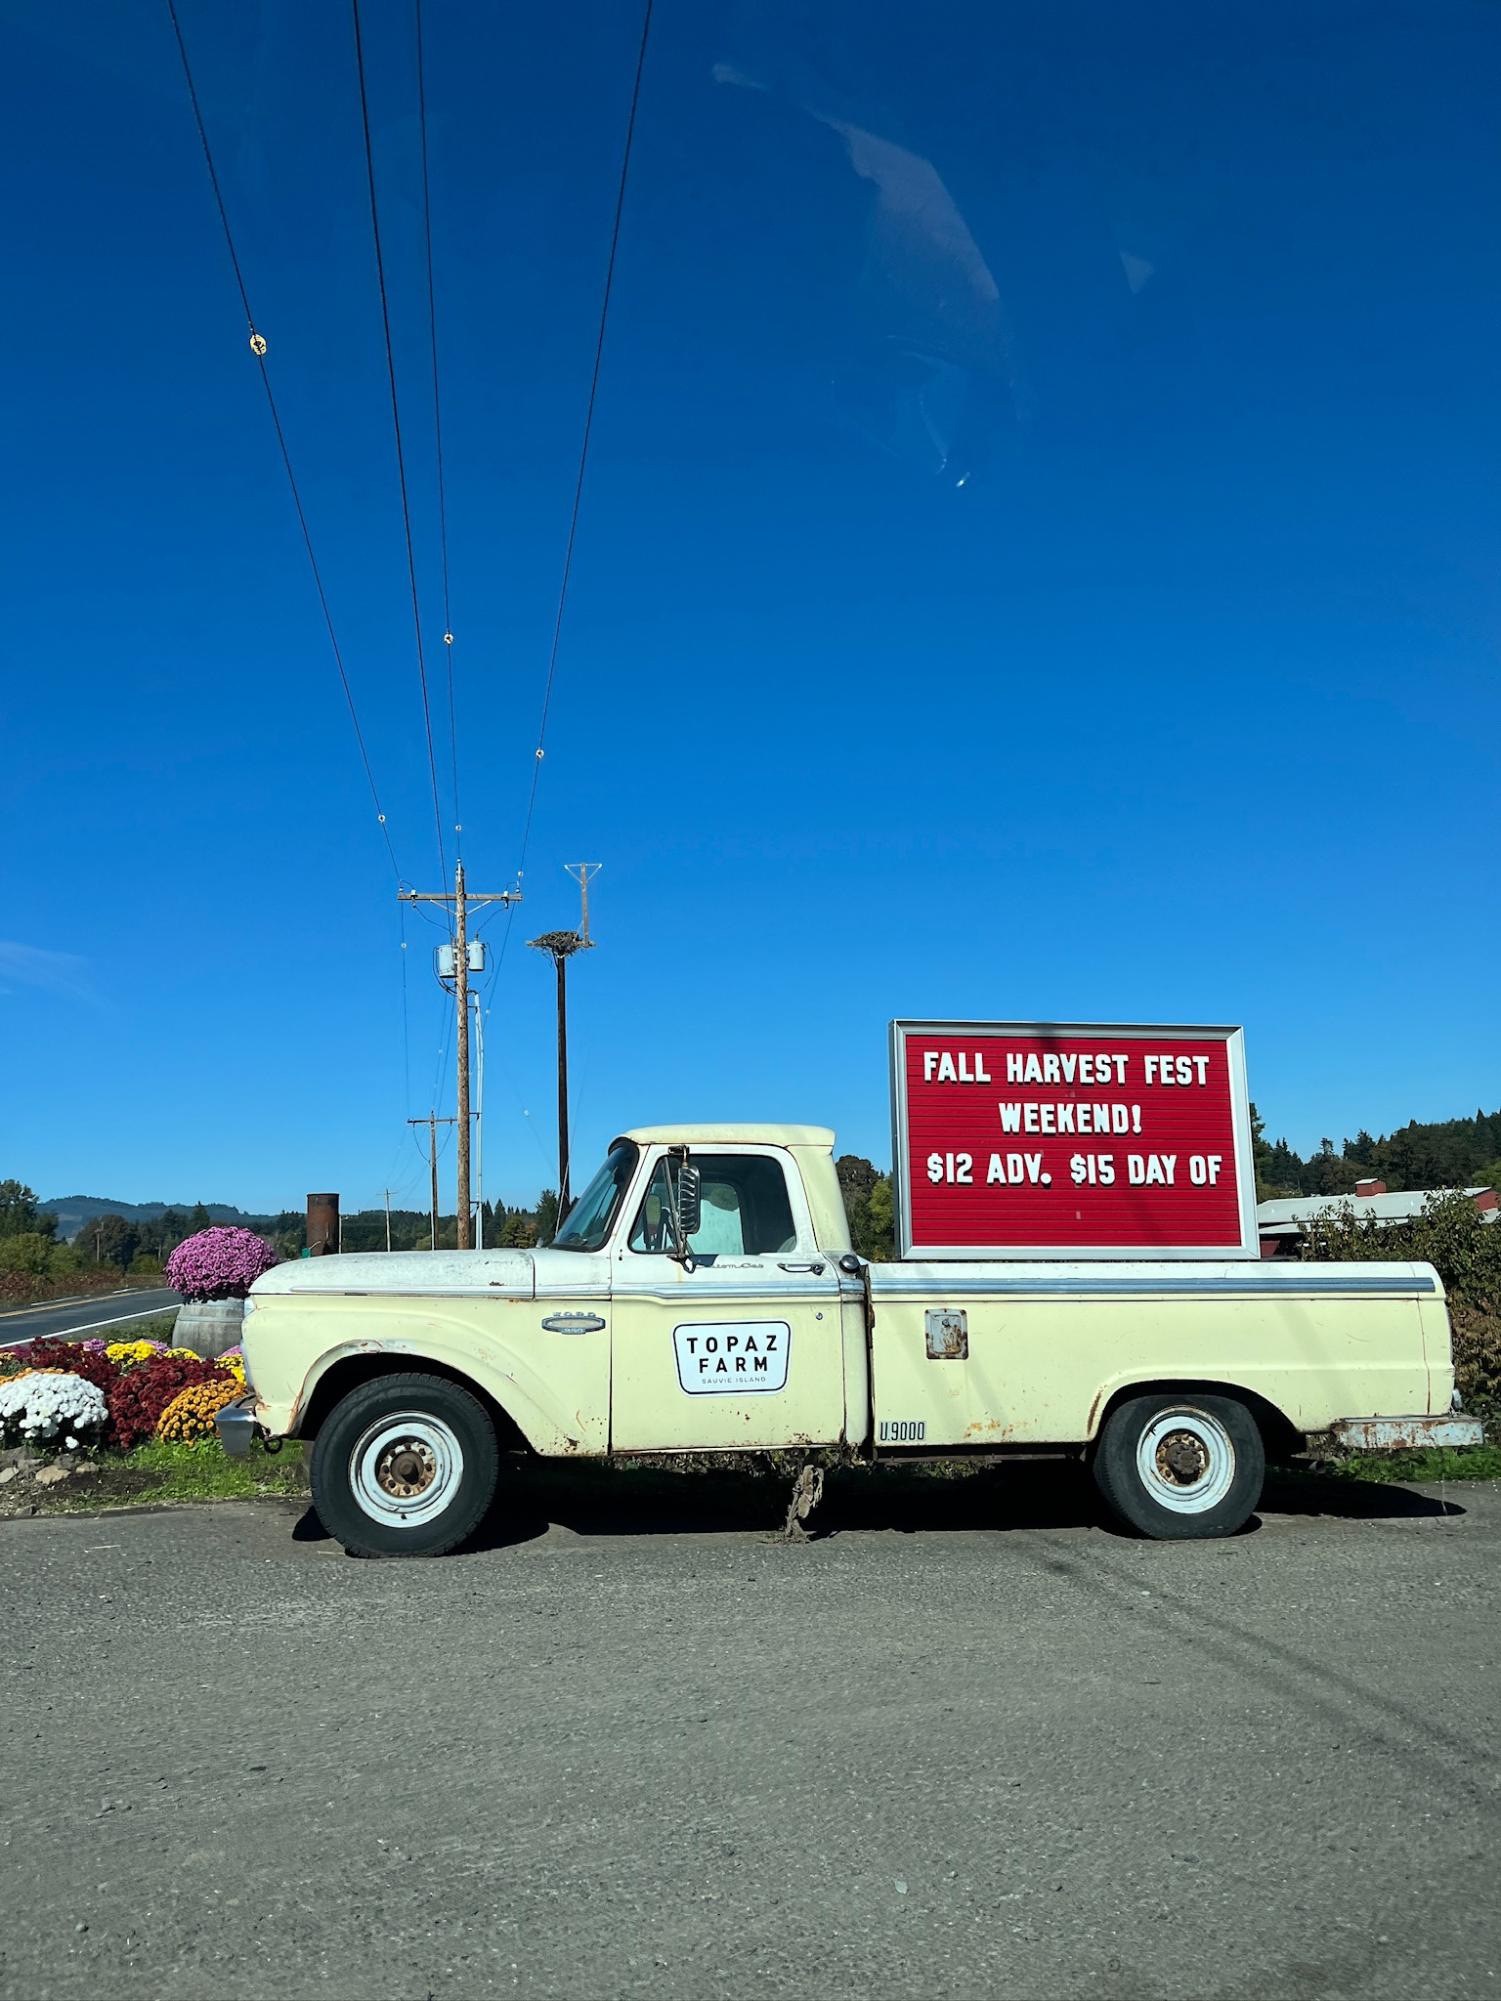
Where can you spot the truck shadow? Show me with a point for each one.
(656, 1499)
(1299, 1490)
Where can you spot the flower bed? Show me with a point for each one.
(71, 1396)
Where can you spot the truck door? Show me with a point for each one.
(743, 1350)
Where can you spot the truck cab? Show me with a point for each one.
(702, 1295)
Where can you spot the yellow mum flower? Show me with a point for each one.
(191, 1413)
(125, 1354)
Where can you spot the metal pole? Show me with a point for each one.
(479, 1125)
(322, 1225)
(388, 1219)
(461, 1001)
(583, 874)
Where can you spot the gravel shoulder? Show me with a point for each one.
(989, 1749)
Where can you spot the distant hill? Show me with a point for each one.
(73, 1211)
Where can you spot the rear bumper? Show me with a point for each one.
(236, 1426)
(1401, 1434)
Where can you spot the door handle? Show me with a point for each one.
(573, 1323)
(816, 1267)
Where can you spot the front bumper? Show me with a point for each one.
(1405, 1434)
(236, 1426)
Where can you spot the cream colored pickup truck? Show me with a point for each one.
(703, 1296)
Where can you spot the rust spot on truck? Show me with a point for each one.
(986, 1427)
(1402, 1434)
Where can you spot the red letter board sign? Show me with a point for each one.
(1062, 1140)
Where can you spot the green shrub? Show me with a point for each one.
(1451, 1236)
(32, 1255)
(1477, 1362)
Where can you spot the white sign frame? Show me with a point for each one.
(1248, 1244)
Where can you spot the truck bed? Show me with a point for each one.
(974, 1355)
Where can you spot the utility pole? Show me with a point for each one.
(560, 947)
(460, 896)
(432, 1122)
(388, 1219)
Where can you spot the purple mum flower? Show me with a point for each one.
(219, 1264)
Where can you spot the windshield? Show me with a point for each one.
(590, 1218)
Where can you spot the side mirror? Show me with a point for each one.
(688, 1209)
(684, 1203)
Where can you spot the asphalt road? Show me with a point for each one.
(963, 1751)
(85, 1316)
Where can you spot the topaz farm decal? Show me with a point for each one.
(732, 1357)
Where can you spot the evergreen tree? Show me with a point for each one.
(547, 1215)
(110, 1240)
(19, 1213)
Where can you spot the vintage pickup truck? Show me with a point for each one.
(703, 1296)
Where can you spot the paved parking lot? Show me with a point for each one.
(967, 1746)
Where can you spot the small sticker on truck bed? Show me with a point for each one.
(732, 1357)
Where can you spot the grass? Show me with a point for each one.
(157, 1328)
(1440, 1462)
(206, 1473)
(160, 1474)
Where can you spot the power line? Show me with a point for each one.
(578, 490)
(258, 347)
(401, 466)
(432, 330)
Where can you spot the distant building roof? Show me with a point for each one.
(1285, 1217)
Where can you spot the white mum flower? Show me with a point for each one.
(40, 1407)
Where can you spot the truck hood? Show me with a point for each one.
(513, 1274)
(509, 1272)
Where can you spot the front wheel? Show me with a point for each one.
(405, 1466)
(1175, 1467)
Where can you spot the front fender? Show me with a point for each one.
(557, 1396)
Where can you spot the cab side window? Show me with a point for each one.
(745, 1210)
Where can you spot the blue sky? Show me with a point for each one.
(1038, 560)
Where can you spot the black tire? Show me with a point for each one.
(390, 1443)
(1181, 1467)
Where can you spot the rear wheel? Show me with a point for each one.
(405, 1466)
(1176, 1467)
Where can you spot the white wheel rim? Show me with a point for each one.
(1185, 1460)
(405, 1469)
